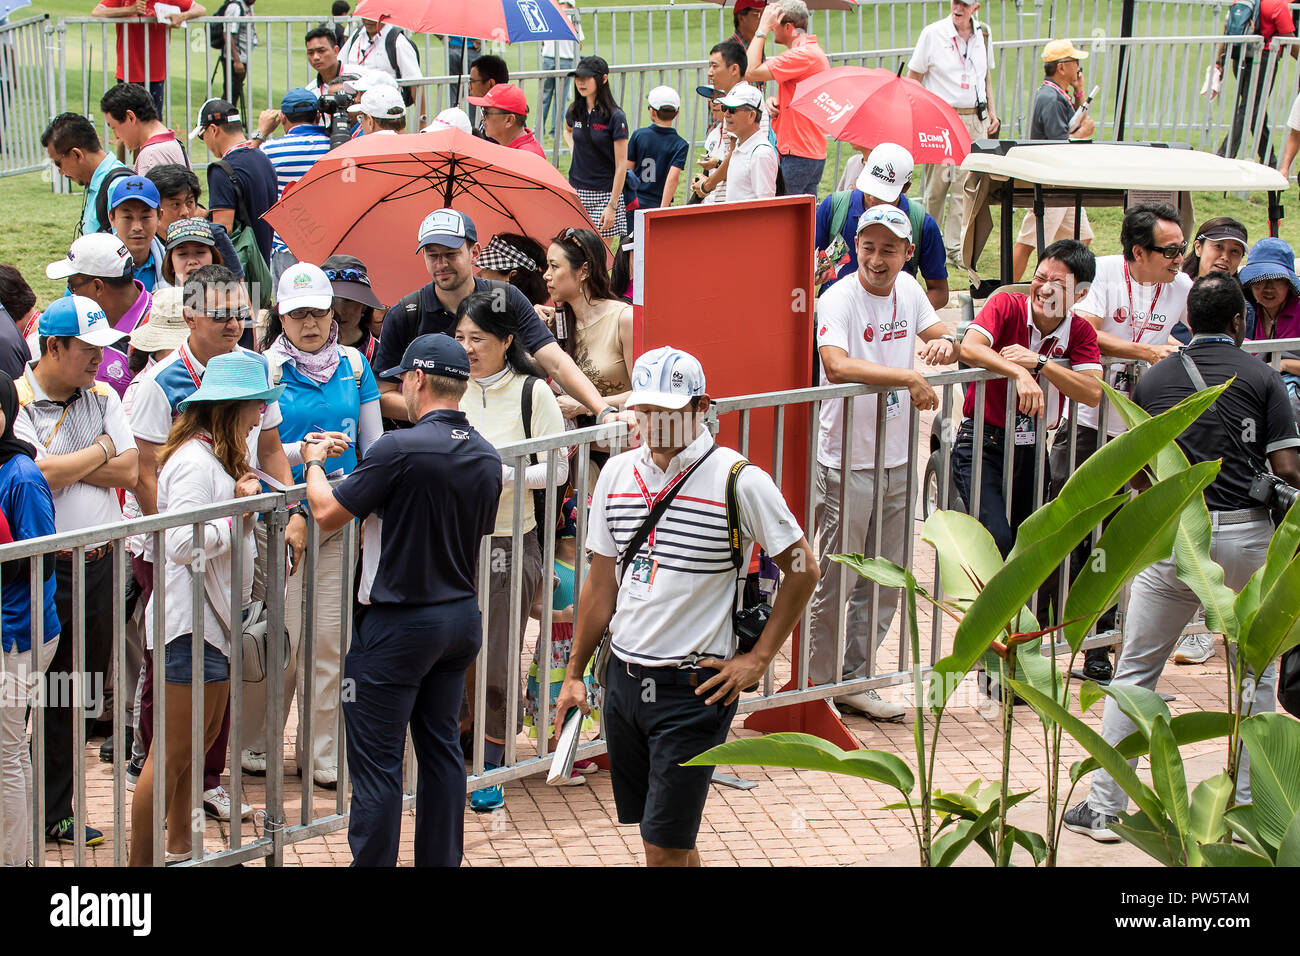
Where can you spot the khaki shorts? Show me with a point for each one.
(1058, 223)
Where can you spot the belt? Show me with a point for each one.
(964, 110)
(92, 554)
(687, 674)
(1244, 516)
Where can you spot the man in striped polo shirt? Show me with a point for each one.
(303, 142)
(676, 671)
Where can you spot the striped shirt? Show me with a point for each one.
(292, 155)
(687, 606)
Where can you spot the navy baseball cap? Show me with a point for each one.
(436, 353)
(298, 101)
(446, 227)
(134, 187)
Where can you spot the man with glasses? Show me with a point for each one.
(505, 108)
(752, 167)
(1133, 303)
(85, 451)
(216, 310)
(73, 148)
(448, 241)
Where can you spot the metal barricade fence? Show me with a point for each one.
(27, 96)
(279, 824)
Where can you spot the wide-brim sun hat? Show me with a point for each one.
(166, 328)
(234, 377)
(351, 281)
(1271, 258)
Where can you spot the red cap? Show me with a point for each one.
(503, 96)
(742, 5)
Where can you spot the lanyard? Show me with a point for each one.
(651, 501)
(370, 348)
(1060, 89)
(1132, 313)
(198, 383)
(246, 144)
(965, 55)
(369, 49)
(31, 324)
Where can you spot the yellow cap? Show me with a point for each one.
(1057, 50)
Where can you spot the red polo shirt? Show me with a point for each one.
(135, 41)
(526, 141)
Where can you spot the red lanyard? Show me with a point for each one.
(651, 501)
(31, 324)
(370, 348)
(198, 383)
(964, 56)
(205, 439)
(1060, 89)
(1132, 313)
(246, 144)
(370, 49)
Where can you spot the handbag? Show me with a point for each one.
(604, 650)
(253, 639)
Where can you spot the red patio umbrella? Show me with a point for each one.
(866, 107)
(368, 197)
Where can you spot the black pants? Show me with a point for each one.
(58, 707)
(1085, 446)
(406, 665)
(234, 91)
(993, 502)
(1255, 93)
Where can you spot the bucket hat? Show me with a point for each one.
(1271, 258)
(234, 377)
(166, 328)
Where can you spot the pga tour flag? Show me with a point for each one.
(506, 21)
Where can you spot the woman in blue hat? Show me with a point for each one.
(204, 461)
(1273, 288)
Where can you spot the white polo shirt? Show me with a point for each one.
(952, 67)
(1134, 311)
(683, 602)
(752, 171)
(56, 428)
(874, 328)
(360, 52)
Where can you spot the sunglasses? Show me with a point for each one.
(80, 285)
(302, 315)
(1171, 251)
(347, 275)
(222, 317)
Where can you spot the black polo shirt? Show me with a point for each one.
(398, 332)
(1254, 416)
(429, 494)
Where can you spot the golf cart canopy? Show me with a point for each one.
(1035, 175)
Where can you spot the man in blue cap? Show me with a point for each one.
(133, 214)
(304, 141)
(427, 494)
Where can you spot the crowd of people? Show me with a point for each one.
(194, 359)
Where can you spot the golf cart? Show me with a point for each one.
(1013, 175)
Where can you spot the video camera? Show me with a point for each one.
(1273, 493)
(335, 106)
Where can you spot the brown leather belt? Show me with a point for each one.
(93, 554)
(964, 110)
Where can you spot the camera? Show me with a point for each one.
(332, 103)
(749, 623)
(1273, 493)
(335, 106)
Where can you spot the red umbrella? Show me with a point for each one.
(812, 4)
(867, 107)
(509, 21)
(368, 197)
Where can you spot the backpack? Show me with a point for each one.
(354, 359)
(390, 47)
(217, 31)
(1242, 21)
(101, 198)
(257, 275)
(915, 215)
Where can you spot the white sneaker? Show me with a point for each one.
(870, 704)
(253, 763)
(216, 803)
(1195, 649)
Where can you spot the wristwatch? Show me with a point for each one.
(949, 337)
(1042, 360)
(318, 464)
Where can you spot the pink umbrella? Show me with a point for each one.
(368, 197)
(867, 107)
(812, 4)
(509, 21)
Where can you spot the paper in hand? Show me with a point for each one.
(269, 481)
(165, 11)
(566, 748)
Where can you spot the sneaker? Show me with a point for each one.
(62, 832)
(253, 763)
(586, 766)
(1096, 665)
(133, 771)
(326, 777)
(487, 799)
(216, 803)
(870, 704)
(574, 779)
(1195, 649)
(1083, 819)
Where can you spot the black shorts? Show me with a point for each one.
(653, 723)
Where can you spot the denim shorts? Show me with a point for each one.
(178, 660)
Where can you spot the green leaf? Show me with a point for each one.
(1246, 606)
(1241, 821)
(1225, 855)
(1038, 671)
(1189, 728)
(1209, 801)
(1004, 596)
(1140, 534)
(1170, 779)
(1089, 693)
(1032, 842)
(1275, 629)
(806, 752)
(883, 571)
(1274, 744)
(1192, 558)
(1114, 463)
(1138, 830)
(1138, 704)
(1282, 548)
(1091, 741)
(963, 836)
(966, 550)
(1288, 851)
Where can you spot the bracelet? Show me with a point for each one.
(601, 414)
(949, 337)
(318, 464)
(104, 449)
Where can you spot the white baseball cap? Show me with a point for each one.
(891, 217)
(371, 79)
(99, 254)
(304, 286)
(886, 172)
(743, 94)
(667, 378)
(79, 317)
(453, 117)
(664, 97)
(381, 102)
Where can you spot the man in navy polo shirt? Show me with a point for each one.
(449, 244)
(254, 182)
(428, 495)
